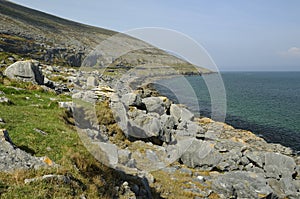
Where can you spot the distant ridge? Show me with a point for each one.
(33, 34)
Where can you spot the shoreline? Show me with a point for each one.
(164, 141)
(272, 134)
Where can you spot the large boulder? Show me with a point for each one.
(132, 99)
(181, 114)
(168, 124)
(241, 184)
(154, 104)
(285, 187)
(256, 158)
(201, 154)
(142, 125)
(231, 155)
(279, 166)
(28, 71)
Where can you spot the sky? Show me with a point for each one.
(239, 35)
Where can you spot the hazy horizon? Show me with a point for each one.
(239, 36)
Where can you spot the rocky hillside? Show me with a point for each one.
(128, 143)
(67, 132)
(53, 40)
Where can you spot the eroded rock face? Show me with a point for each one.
(28, 71)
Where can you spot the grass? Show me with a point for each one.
(12, 37)
(4, 56)
(34, 109)
(58, 78)
(172, 186)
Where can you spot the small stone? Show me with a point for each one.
(4, 100)
(92, 81)
(200, 179)
(256, 157)
(40, 131)
(125, 184)
(67, 105)
(12, 59)
(186, 171)
(170, 170)
(2, 121)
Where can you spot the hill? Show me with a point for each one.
(33, 34)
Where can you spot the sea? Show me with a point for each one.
(266, 103)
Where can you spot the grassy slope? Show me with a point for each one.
(61, 144)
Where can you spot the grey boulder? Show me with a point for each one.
(154, 104)
(285, 187)
(131, 99)
(28, 71)
(201, 154)
(279, 166)
(91, 81)
(241, 184)
(144, 126)
(180, 114)
(168, 123)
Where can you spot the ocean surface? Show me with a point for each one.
(266, 103)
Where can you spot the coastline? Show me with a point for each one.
(271, 133)
(163, 145)
(227, 148)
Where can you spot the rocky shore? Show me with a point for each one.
(160, 139)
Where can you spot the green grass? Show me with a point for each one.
(33, 109)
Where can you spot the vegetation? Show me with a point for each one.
(37, 109)
(177, 185)
(36, 35)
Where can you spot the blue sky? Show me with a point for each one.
(239, 35)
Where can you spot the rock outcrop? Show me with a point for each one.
(27, 71)
(239, 163)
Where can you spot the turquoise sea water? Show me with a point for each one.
(267, 103)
